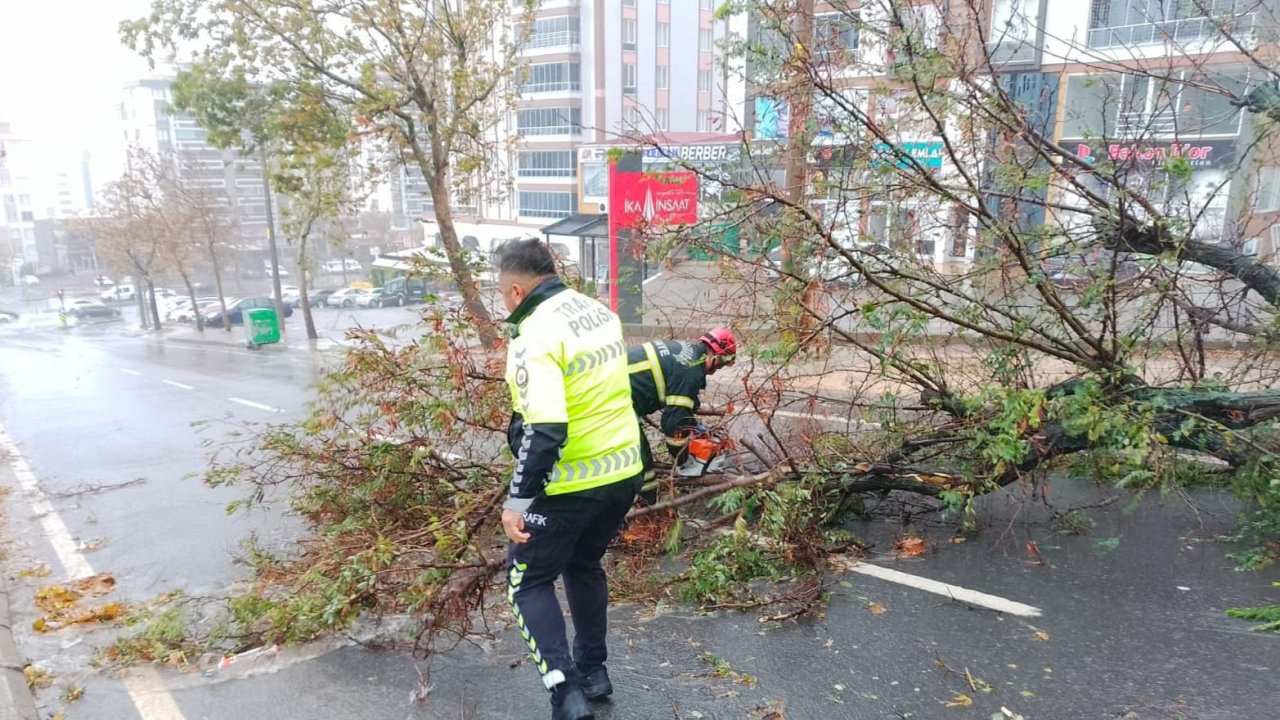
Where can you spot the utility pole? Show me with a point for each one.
(271, 237)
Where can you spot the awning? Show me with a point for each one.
(575, 225)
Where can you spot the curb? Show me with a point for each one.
(16, 700)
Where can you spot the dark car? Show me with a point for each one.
(316, 298)
(92, 309)
(404, 291)
(236, 308)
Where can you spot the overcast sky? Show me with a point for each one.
(61, 70)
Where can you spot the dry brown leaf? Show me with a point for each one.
(960, 701)
(909, 546)
(1042, 636)
(876, 608)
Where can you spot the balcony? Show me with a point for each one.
(562, 41)
(1179, 31)
(543, 130)
(550, 87)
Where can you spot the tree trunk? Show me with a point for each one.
(799, 95)
(151, 303)
(191, 293)
(304, 300)
(222, 297)
(271, 239)
(471, 299)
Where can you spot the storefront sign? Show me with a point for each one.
(1203, 153)
(925, 153)
(640, 199)
(593, 171)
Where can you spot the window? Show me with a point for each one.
(628, 77)
(663, 117)
(664, 34)
(27, 216)
(628, 3)
(662, 77)
(704, 39)
(631, 116)
(704, 81)
(834, 33)
(545, 204)
(1122, 23)
(708, 4)
(549, 121)
(629, 34)
(1107, 105)
(1268, 197)
(554, 32)
(552, 77)
(24, 199)
(547, 163)
(704, 121)
(664, 2)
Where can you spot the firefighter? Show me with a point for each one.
(578, 468)
(669, 375)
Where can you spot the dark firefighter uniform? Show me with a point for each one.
(578, 468)
(668, 375)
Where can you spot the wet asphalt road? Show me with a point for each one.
(1132, 617)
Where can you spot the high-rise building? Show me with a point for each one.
(149, 123)
(597, 72)
(18, 247)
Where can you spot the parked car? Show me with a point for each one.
(8, 316)
(119, 293)
(266, 268)
(179, 309)
(103, 281)
(346, 297)
(370, 298)
(236, 308)
(337, 266)
(83, 309)
(30, 280)
(317, 298)
(404, 291)
(290, 295)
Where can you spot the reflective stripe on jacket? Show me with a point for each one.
(567, 373)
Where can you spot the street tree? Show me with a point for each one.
(312, 148)
(209, 229)
(434, 80)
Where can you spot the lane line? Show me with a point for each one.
(149, 694)
(647, 280)
(145, 687)
(252, 404)
(826, 418)
(176, 384)
(127, 371)
(60, 538)
(955, 592)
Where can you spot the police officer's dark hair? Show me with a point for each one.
(529, 256)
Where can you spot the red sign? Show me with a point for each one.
(647, 199)
(642, 199)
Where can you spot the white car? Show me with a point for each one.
(119, 292)
(346, 297)
(290, 295)
(30, 280)
(370, 298)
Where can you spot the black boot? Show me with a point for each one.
(568, 703)
(595, 683)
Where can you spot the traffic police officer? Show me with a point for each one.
(578, 468)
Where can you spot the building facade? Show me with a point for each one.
(597, 71)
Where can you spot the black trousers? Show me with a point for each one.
(568, 535)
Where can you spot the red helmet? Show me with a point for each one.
(721, 343)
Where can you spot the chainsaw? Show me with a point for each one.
(707, 453)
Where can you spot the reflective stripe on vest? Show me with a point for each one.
(681, 401)
(592, 360)
(659, 379)
(576, 473)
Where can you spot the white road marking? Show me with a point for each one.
(252, 404)
(64, 546)
(149, 694)
(176, 384)
(145, 688)
(649, 279)
(955, 592)
(826, 418)
(127, 371)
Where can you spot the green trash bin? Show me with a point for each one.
(261, 326)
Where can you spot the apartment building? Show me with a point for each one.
(597, 71)
(149, 123)
(19, 252)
